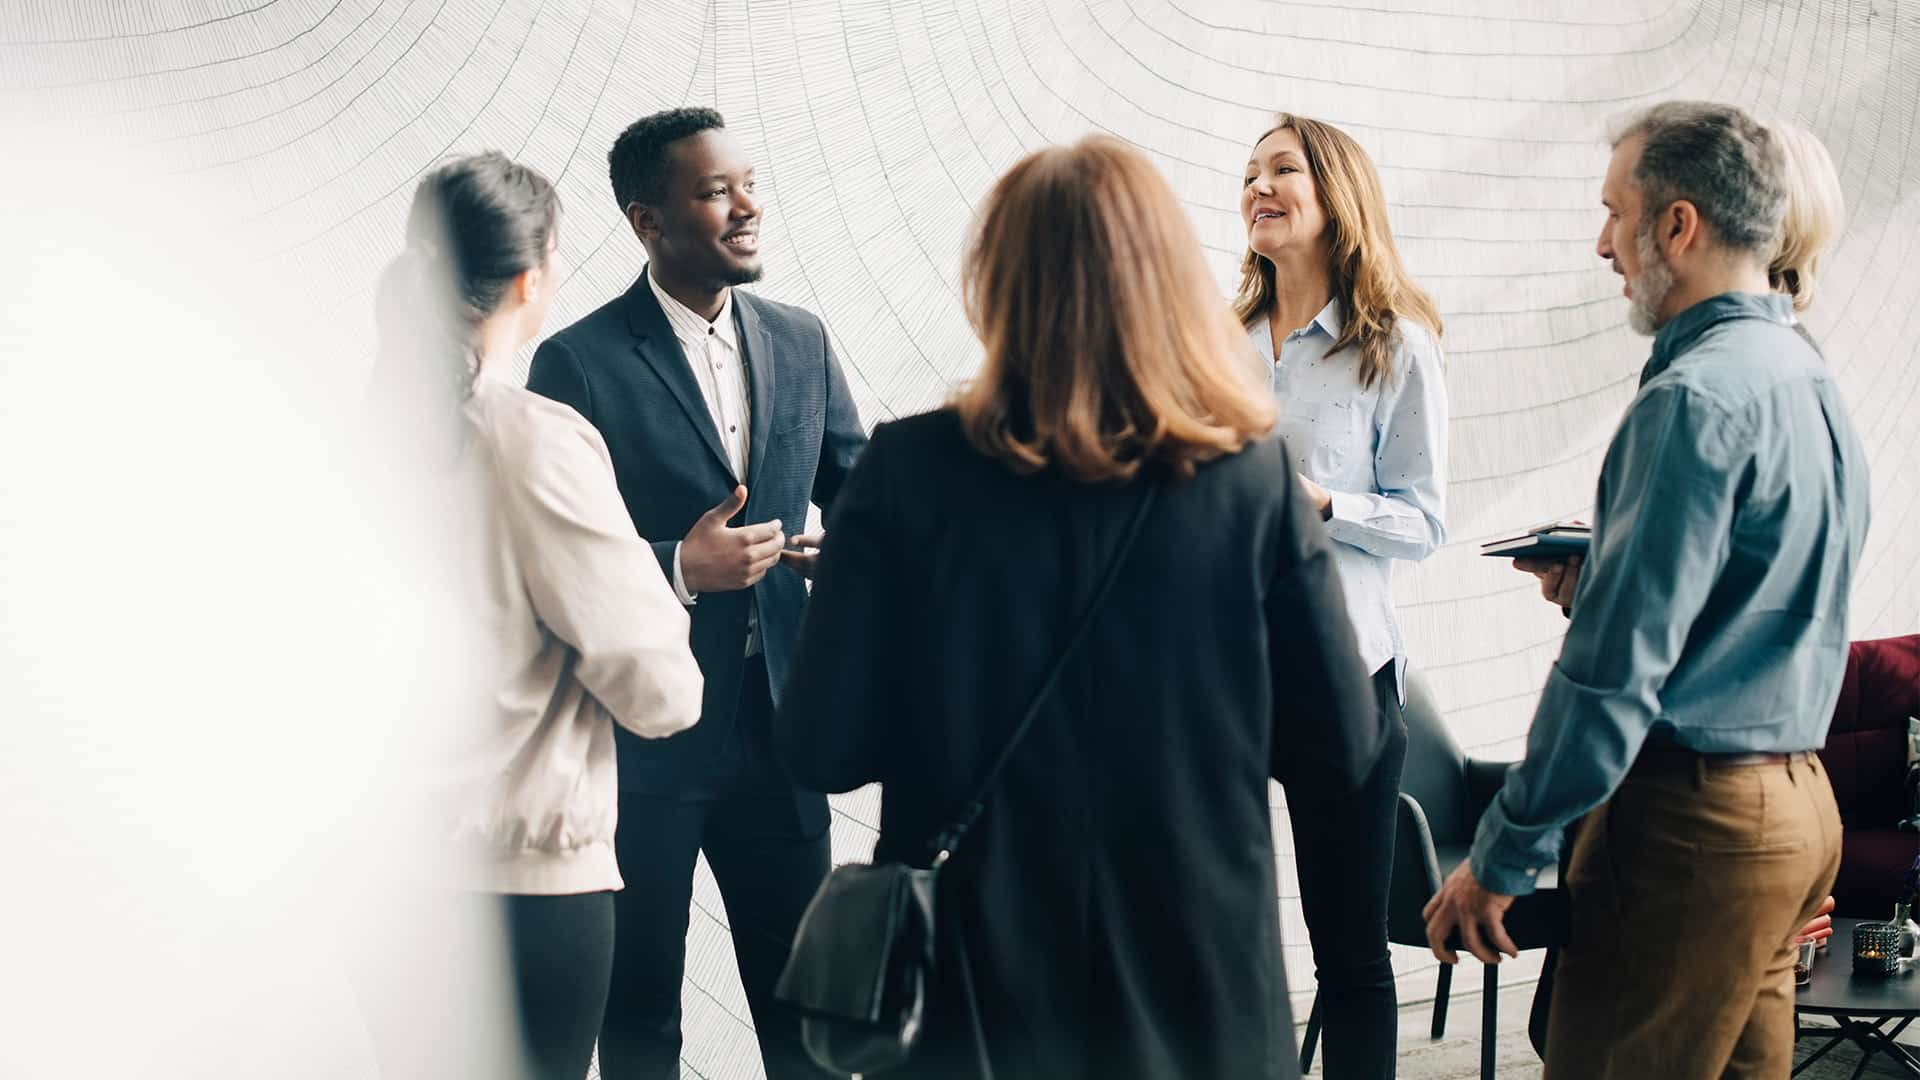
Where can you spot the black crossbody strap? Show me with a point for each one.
(949, 840)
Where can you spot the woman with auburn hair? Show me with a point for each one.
(1351, 347)
(1112, 914)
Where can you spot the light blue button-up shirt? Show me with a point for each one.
(1382, 453)
(1713, 605)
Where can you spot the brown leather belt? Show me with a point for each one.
(1755, 758)
(1666, 754)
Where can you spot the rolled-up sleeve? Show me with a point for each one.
(1404, 517)
(1662, 534)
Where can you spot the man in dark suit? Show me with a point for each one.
(724, 413)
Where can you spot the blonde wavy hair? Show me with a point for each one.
(1107, 349)
(1816, 212)
(1367, 276)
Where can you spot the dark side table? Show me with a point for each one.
(1862, 1005)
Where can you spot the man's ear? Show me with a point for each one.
(1681, 229)
(644, 220)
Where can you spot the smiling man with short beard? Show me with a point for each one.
(725, 414)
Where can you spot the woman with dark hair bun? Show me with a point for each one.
(586, 632)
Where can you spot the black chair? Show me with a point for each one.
(1443, 792)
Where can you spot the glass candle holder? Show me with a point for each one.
(1803, 962)
(1876, 948)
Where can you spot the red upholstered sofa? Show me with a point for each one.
(1866, 756)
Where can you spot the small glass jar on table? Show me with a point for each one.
(1876, 948)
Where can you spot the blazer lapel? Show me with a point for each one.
(758, 345)
(654, 341)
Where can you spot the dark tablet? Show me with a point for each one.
(1550, 544)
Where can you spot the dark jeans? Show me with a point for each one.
(768, 853)
(1344, 849)
(561, 951)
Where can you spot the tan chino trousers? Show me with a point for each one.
(1686, 890)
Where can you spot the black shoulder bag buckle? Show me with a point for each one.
(863, 957)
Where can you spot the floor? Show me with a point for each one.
(1456, 1056)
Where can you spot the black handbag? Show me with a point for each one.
(863, 958)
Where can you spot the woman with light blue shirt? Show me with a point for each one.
(1351, 349)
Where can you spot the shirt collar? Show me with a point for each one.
(689, 325)
(1681, 331)
(1331, 319)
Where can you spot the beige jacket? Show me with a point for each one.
(588, 633)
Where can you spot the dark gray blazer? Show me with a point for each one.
(622, 368)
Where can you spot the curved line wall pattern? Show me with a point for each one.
(879, 124)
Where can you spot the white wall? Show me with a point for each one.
(878, 125)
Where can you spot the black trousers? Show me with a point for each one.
(1344, 848)
(561, 951)
(768, 851)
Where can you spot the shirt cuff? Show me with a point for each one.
(1343, 511)
(687, 596)
(1505, 881)
(1501, 870)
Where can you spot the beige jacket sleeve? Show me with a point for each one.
(595, 583)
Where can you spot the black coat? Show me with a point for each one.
(622, 368)
(1118, 898)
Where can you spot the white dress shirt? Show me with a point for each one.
(712, 350)
(1382, 453)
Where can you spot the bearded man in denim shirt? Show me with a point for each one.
(1707, 643)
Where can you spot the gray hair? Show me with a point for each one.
(1724, 162)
